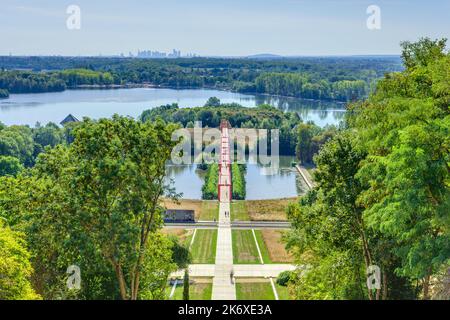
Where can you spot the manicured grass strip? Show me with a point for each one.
(257, 247)
(244, 247)
(197, 291)
(204, 247)
(283, 292)
(262, 247)
(200, 291)
(210, 211)
(239, 211)
(254, 291)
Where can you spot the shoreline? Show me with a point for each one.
(154, 86)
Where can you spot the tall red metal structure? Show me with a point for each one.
(225, 186)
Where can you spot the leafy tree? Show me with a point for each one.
(181, 255)
(405, 128)
(15, 267)
(102, 195)
(213, 102)
(156, 268)
(9, 166)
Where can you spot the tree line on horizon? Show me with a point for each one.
(342, 79)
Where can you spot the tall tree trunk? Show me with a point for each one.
(121, 279)
(426, 286)
(385, 286)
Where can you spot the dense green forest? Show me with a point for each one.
(383, 191)
(345, 78)
(37, 82)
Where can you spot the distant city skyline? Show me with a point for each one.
(218, 28)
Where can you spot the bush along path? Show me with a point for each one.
(238, 178)
(209, 189)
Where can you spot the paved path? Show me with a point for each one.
(234, 225)
(240, 270)
(223, 282)
(306, 176)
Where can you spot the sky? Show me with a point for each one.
(218, 27)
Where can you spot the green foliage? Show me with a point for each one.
(310, 139)
(181, 255)
(405, 127)
(157, 266)
(77, 77)
(210, 187)
(95, 204)
(262, 117)
(284, 278)
(30, 82)
(15, 267)
(33, 82)
(423, 52)
(238, 177)
(312, 78)
(213, 102)
(186, 285)
(300, 85)
(383, 190)
(17, 141)
(9, 166)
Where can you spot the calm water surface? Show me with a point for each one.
(55, 106)
(29, 109)
(286, 183)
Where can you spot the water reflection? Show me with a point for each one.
(286, 183)
(55, 106)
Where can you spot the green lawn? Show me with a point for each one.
(254, 291)
(197, 291)
(210, 211)
(283, 292)
(239, 211)
(244, 247)
(262, 246)
(204, 247)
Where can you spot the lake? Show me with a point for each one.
(286, 183)
(27, 109)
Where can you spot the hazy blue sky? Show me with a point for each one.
(218, 27)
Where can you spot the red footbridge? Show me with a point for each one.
(225, 180)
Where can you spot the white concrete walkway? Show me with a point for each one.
(223, 284)
(240, 270)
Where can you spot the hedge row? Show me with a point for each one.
(210, 187)
(238, 181)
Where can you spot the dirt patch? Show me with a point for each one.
(251, 280)
(199, 280)
(181, 234)
(268, 210)
(275, 246)
(183, 204)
